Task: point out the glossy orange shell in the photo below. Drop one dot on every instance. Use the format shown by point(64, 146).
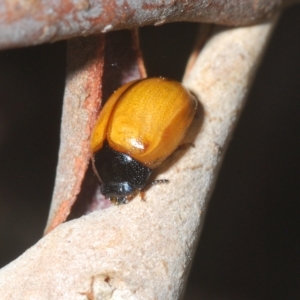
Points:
point(146, 119)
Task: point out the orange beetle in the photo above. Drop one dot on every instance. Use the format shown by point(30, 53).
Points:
point(140, 125)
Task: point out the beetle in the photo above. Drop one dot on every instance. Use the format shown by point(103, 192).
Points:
point(139, 126)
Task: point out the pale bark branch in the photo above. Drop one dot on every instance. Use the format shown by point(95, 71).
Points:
point(142, 250)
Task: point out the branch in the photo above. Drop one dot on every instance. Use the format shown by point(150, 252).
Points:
point(24, 23)
point(142, 250)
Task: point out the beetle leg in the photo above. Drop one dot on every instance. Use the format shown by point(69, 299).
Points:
point(185, 146)
point(142, 192)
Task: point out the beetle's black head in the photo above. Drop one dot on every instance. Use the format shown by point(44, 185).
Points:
point(122, 176)
point(118, 192)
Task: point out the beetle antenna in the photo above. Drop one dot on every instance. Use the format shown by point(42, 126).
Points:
point(95, 169)
point(159, 181)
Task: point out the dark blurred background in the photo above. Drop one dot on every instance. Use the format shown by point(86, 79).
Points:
point(250, 244)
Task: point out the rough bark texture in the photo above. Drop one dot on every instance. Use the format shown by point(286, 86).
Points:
point(82, 96)
point(142, 250)
point(91, 78)
point(33, 22)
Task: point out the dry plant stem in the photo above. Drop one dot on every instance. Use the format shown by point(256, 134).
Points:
point(33, 22)
point(92, 63)
point(142, 250)
point(81, 103)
